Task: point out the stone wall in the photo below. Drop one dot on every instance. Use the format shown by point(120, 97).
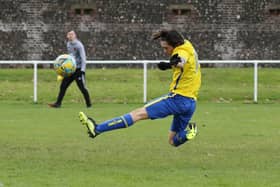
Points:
point(121, 29)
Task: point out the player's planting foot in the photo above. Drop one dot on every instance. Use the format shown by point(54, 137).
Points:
point(89, 123)
point(191, 131)
point(54, 105)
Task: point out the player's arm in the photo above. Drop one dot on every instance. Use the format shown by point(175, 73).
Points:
point(164, 65)
point(175, 60)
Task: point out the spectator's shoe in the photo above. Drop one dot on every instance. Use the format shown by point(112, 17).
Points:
point(54, 105)
point(191, 131)
point(90, 124)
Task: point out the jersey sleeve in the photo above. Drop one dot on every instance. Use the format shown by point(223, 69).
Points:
point(183, 55)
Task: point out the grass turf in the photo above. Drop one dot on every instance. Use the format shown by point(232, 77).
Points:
point(238, 144)
point(122, 85)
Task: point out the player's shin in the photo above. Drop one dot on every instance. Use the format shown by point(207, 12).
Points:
point(115, 123)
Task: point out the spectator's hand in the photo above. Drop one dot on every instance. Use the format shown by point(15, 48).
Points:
point(59, 78)
point(164, 65)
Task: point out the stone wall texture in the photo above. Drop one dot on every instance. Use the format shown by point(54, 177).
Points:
point(121, 29)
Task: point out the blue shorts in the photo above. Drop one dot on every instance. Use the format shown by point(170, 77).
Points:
point(182, 108)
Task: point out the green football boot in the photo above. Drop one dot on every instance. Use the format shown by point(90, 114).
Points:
point(89, 123)
point(191, 131)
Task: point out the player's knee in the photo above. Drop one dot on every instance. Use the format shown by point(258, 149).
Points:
point(139, 114)
point(171, 142)
point(177, 139)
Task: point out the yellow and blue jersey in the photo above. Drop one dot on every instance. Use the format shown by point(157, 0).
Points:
point(186, 81)
point(181, 101)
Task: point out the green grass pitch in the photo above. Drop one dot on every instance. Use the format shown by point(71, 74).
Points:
point(237, 145)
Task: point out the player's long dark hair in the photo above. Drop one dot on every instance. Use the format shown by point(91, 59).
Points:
point(172, 37)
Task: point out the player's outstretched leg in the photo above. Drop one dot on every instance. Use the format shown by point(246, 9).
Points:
point(109, 125)
point(183, 136)
point(89, 123)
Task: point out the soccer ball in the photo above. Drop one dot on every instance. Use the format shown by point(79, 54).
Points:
point(65, 65)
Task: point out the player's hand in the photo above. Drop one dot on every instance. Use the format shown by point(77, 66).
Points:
point(164, 65)
point(174, 60)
